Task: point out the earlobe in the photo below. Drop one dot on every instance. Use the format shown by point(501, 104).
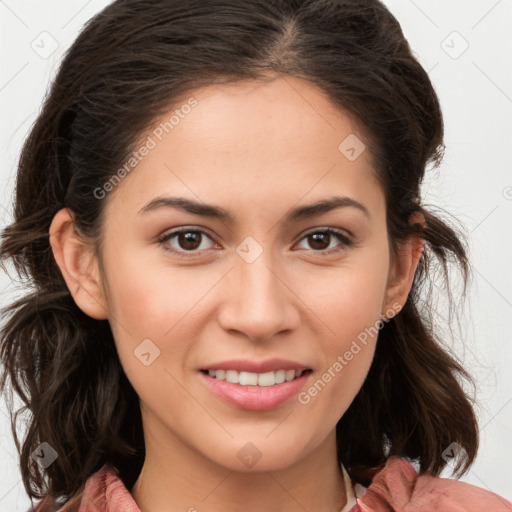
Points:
point(78, 265)
point(404, 267)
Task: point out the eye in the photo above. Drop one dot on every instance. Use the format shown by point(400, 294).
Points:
point(320, 240)
point(186, 240)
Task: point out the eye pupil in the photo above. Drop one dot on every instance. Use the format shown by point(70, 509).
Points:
point(192, 240)
point(317, 237)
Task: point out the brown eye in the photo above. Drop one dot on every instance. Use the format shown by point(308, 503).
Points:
point(319, 241)
point(189, 240)
point(184, 241)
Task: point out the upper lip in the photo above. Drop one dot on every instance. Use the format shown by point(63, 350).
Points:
point(244, 365)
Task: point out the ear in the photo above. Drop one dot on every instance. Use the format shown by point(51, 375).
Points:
point(403, 269)
point(78, 265)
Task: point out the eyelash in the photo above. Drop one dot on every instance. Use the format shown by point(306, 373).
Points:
point(190, 254)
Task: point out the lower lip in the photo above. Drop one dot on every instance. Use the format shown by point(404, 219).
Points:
point(255, 398)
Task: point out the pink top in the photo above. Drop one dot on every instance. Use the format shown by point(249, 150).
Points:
point(396, 487)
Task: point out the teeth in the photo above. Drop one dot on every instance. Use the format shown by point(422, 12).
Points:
point(266, 379)
point(290, 374)
point(255, 379)
point(231, 376)
point(248, 379)
point(281, 376)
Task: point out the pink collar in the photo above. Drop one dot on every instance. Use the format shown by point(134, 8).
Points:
point(395, 487)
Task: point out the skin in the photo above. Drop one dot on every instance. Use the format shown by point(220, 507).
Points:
point(258, 150)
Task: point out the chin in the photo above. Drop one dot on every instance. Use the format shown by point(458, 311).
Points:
point(258, 455)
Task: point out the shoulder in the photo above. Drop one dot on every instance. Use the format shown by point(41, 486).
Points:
point(397, 486)
point(48, 504)
point(104, 492)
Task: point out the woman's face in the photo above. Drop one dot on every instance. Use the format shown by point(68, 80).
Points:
point(263, 282)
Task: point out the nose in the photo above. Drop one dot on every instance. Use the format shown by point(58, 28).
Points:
point(260, 301)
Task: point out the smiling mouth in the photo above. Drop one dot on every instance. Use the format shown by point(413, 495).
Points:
point(266, 379)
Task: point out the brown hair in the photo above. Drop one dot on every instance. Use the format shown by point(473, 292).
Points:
point(129, 63)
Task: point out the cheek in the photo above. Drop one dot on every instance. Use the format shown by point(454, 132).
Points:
point(347, 355)
point(348, 300)
point(146, 302)
point(349, 297)
point(151, 297)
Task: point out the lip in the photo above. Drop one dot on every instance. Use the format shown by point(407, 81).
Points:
point(245, 365)
point(255, 398)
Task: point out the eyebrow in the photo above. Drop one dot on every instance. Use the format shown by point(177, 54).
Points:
point(216, 212)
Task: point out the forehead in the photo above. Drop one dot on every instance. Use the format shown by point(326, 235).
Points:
point(265, 117)
point(258, 141)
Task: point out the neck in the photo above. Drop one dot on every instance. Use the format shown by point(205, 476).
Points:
point(176, 477)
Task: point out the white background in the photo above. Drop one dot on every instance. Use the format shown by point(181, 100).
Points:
point(474, 182)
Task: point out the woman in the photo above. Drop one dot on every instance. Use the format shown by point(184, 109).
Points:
point(219, 208)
